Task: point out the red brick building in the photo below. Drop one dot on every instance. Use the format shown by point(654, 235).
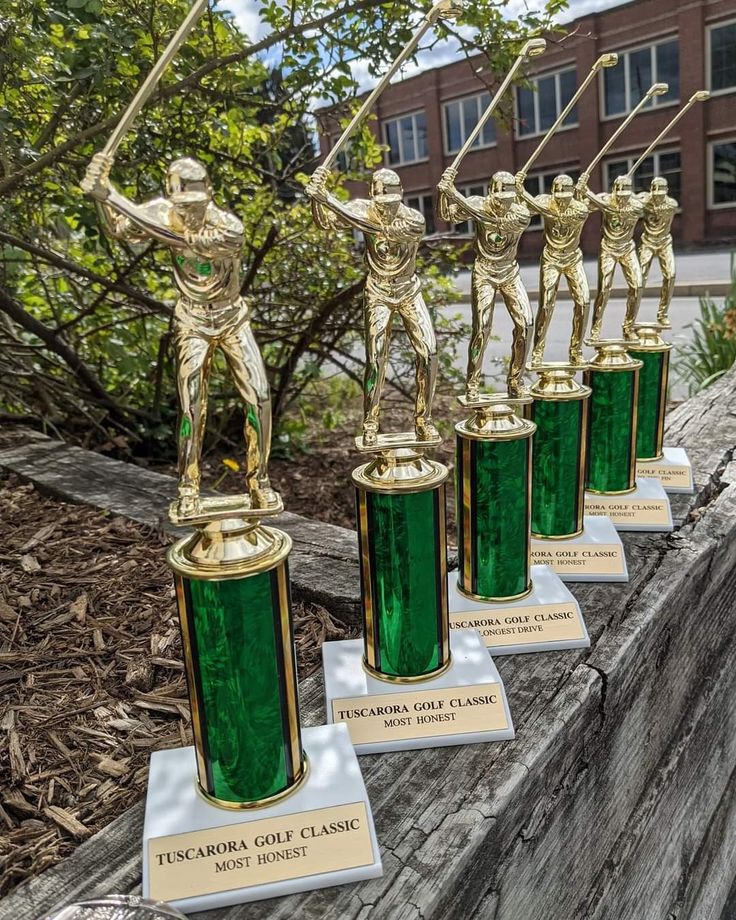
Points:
point(690, 44)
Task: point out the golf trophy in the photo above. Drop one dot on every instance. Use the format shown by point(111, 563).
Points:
point(408, 683)
point(668, 464)
point(516, 606)
point(613, 375)
point(236, 817)
point(578, 547)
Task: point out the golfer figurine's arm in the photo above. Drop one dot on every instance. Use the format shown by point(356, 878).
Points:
point(453, 206)
point(600, 202)
point(329, 212)
point(144, 219)
point(539, 204)
point(221, 237)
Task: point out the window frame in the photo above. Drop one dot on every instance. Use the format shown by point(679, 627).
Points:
point(384, 131)
point(652, 44)
point(719, 24)
point(460, 100)
point(711, 205)
point(558, 103)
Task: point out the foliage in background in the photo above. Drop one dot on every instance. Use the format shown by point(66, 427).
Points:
point(85, 323)
point(712, 350)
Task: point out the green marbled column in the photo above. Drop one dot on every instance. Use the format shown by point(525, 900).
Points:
point(652, 402)
point(242, 687)
point(557, 473)
point(611, 430)
point(403, 547)
point(494, 512)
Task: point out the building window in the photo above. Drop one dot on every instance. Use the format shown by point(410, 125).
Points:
point(722, 192)
point(541, 184)
point(461, 116)
point(424, 203)
point(625, 84)
point(722, 57)
point(665, 164)
point(538, 106)
point(406, 138)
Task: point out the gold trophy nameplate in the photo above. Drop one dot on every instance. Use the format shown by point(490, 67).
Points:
point(546, 619)
point(597, 554)
point(422, 713)
point(546, 623)
point(673, 470)
point(646, 508)
point(261, 852)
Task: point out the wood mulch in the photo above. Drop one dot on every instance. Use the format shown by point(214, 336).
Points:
point(91, 678)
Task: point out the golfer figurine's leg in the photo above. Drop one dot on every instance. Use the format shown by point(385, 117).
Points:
point(193, 359)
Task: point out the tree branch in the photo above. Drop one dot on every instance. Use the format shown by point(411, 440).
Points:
point(67, 354)
point(307, 337)
point(53, 258)
point(191, 81)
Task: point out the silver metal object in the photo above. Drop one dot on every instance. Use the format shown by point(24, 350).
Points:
point(118, 907)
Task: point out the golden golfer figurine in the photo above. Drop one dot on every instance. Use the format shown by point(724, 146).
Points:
point(205, 244)
point(563, 213)
point(500, 219)
point(393, 233)
point(622, 211)
point(659, 212)
point(656, 241)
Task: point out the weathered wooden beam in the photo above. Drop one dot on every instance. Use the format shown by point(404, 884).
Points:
point(617, 798)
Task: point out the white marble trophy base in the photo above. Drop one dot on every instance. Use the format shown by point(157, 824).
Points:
point(464, 705)
point(283, 851)
point(548, 619)
point(597, 554)
point(673, 470)
point(647, 508)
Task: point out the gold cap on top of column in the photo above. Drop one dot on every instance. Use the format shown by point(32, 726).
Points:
point(497, 422)
point(612, 355)
point(648, 338)
point(558, 383)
